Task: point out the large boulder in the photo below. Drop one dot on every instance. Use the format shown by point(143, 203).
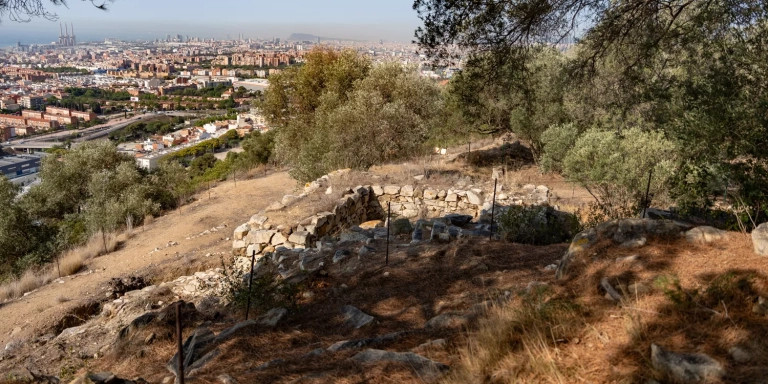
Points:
point(704, 235)
point(760, 239)
point(618, 232)
point(684, 367)
point(425, 368)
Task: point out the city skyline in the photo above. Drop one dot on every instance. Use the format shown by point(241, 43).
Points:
point(146, 20)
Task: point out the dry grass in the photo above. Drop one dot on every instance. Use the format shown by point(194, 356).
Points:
point(68, 263)
point(29, 281)
point(518, 342)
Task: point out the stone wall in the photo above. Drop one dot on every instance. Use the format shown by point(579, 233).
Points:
point(364, 203)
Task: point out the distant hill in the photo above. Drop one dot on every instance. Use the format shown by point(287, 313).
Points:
point(310, 37)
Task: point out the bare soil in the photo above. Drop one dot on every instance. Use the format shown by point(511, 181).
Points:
point(227, 207)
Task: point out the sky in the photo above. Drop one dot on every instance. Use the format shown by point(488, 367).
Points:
point(390, 20)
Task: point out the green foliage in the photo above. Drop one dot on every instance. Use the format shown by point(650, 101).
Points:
point(557, 141)
point(536, 224)
point(267, 290)
point(202, 92)
point(615, 167)
point(144, 129)
point(65, 70)
point(338, 111)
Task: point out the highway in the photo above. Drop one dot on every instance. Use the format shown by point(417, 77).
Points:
point(85, 134)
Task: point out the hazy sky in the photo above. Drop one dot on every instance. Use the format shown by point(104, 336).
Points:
point(149, 19)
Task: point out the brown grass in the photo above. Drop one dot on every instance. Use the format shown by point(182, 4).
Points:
point(68, 263)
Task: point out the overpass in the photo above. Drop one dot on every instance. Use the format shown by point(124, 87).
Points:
point(35, 146)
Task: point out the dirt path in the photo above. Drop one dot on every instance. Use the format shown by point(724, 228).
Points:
point(148, 250)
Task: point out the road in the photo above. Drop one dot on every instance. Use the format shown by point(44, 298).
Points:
point(90, 133)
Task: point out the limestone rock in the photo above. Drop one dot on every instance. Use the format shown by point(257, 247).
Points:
point(352, 237)
point(241, 231)
point(272, 317)
point(278, 238)
point(474, 198)
point(340, 255)
point(760, 239)
point(430, 194)
point(400, 226)
point(377, 190)
point(355, 318)
point(424, 367)
point(300, 238)
point(276, 206)
point(704, 235)
point(690, 368)
point(258, 220)
point(448, 321)
point(391, 189)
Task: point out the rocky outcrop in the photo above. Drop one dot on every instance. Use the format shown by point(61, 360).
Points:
point(760, 239)
point(627, 232)
point(684, 367)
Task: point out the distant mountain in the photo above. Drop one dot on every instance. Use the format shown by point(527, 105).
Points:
point(310, 37)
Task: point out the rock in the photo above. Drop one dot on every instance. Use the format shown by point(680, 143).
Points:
point(761, 307)
point(610, 292)
point(302, 238)
point(438, 228)
point(407, 191)
point(448, 321)
point(430, 194)
point(370, 341)
point(474, 198)
point(354, 317)
point(364, 251)
point(760, 239)
point(400, 227)
point(391, 189)
point(377, 190)
point(418, 177)
point(289, 199)
point(272, 317)
point(276, 206)
point(199, 349)
point(424, 367)
point(551, 267)
point(226, 379)
point(739, 355)
point(258, 220)
point(432, 344)
point(340, 255)
point(241, 231)
point(704, 235)
point(372, 224)
point(261, 236)
point(452, 198)
point(352, 237)
point(278, 238)
point(118, 287)
point(686, 367)
point(634, 243)
point(97, 378)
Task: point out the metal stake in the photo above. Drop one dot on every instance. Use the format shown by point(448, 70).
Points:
point(250, 284)
point(493, 208)
point(646, 203)
point(389, 223)
point(180, 344)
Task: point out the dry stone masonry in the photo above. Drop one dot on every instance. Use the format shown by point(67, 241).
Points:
point(366, 204)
